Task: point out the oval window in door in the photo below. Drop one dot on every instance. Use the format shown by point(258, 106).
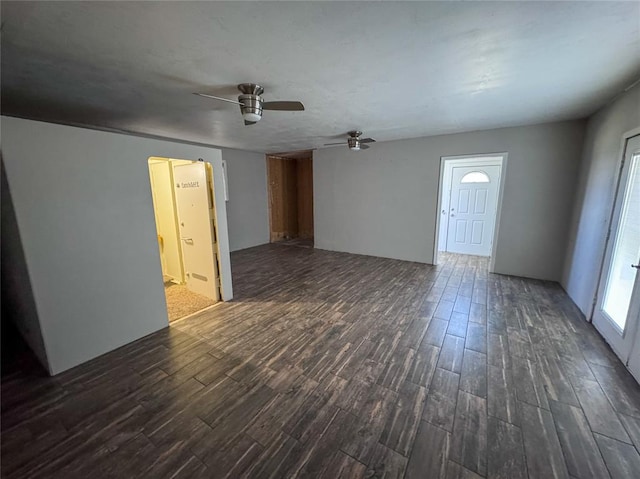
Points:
point(475, 177)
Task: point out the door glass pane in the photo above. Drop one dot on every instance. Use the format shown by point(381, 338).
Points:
point(626, 251)
point(475, 177)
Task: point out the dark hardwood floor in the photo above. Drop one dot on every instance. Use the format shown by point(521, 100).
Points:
point(337, 365)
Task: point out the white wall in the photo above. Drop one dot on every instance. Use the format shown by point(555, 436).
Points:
point(247, 208)
point(595, 196)
point(83, 205)
point(383, 201)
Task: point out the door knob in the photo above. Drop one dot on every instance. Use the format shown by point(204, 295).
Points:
point(636, 266)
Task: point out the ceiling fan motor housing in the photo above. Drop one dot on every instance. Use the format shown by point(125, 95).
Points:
point(354, 143)
point(251, 107)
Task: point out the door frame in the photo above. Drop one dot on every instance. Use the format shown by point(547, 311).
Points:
point(608, 328)
point(217, 259)
point(499, 159)
point(275, 182)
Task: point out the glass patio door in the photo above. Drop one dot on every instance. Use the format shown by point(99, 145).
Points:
point(618, 303)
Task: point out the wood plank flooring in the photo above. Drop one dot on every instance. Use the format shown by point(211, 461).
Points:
point(341, 366)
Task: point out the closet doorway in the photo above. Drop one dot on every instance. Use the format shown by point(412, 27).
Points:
point(290, 186)
point(183, 203)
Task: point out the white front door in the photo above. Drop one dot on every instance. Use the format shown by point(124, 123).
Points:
point(472, 209)
point(617, 312)
point(194, 205)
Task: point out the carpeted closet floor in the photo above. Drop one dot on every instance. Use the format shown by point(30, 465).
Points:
point(182, 302)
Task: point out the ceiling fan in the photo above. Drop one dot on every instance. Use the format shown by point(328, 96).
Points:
point(354, 141)
point(252, 104)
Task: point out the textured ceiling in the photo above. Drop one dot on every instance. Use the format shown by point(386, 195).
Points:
point(393, 70)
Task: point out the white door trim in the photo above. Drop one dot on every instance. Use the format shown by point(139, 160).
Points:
point(499, 159)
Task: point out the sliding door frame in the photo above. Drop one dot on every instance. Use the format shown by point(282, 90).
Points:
point(616, 186)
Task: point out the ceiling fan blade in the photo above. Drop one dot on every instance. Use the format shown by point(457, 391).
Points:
point(364, 147)
point(247, 123)
point(218, 98)
point(283, 105)
point(334, 144)
point(367, 140)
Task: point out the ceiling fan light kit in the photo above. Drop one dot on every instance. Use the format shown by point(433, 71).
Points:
point(251, 107)
point(354, 144)
point(252, 104)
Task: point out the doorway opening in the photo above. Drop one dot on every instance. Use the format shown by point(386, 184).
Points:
point(290, 185)
point(469, 202)
point(184, 210)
